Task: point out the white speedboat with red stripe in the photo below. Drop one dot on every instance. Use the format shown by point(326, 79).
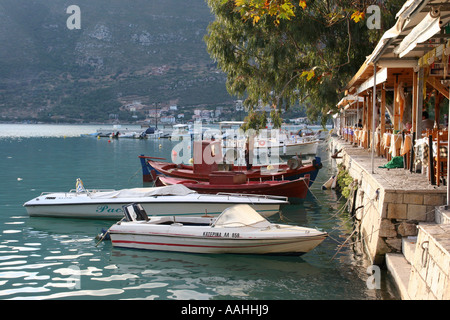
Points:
point(238, 229)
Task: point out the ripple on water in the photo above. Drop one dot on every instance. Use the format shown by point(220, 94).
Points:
point(75, 293)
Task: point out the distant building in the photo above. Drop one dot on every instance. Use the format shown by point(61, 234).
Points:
point(167, 119)
point(301, 120)
point(206, 114)
point(135, 105)
point(239, 105)
point(218, 112)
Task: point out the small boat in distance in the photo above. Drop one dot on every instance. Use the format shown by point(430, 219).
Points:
point(238, 229)
point(279, 142)
point(176, 200)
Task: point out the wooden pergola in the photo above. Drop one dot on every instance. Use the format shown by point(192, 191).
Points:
point(410, 64)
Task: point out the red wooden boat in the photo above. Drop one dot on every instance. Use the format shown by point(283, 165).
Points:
point(201, 171)
point(235, 182)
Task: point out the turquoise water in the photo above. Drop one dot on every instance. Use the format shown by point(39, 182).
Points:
point(49, 258)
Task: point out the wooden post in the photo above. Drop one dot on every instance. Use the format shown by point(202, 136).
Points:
point(382, 118)
point(431, 176)
point(436, 108)
point(411, 161)
point(369, 119)
point(366, 126)
point(396, 104)
point(419, 102)
point(414, 115)
point(374, 97)
point(448, 158)
point(383, 111)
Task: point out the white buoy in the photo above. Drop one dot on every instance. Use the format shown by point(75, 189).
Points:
point(330, 184)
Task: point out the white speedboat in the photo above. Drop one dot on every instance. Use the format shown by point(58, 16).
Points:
point(288, 146)
point(133, 135)
point(238, 229)
point(322, 134)
point(171, 200)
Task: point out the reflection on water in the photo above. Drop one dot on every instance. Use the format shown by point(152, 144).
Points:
point(51, 258)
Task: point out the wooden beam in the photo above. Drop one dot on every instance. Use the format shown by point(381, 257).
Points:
point(396, 104)
point(435, 83)
point(382, 112)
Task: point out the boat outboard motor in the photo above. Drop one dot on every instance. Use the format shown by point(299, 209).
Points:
point(135, 212)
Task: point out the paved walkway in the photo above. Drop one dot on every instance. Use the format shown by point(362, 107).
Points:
point(390, 179)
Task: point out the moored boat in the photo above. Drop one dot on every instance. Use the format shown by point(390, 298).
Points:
point(322, 134)
point(293, 169)
point(277, 142)
point(238, 229)
point(234, 182)
point(288, 147)
point(172, 200)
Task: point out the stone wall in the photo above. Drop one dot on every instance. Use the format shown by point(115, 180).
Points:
point(442, 215)
point(384, 215)
point(429, 278)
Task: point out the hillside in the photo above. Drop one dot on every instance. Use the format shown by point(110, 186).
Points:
point(150, 51)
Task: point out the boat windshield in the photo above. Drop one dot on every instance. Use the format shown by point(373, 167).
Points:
point(173, 190)
point(240, 215)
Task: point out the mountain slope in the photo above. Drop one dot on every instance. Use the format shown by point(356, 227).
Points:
point(146, 50)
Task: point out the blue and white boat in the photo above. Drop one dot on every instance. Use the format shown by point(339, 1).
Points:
point(176, 200)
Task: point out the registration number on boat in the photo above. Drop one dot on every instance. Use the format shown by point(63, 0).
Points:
point(107, 209)
point(220, 235)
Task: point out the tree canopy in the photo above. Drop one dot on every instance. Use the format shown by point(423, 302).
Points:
point(280, 52)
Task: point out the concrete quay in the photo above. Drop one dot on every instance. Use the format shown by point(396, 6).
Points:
point(402, 220)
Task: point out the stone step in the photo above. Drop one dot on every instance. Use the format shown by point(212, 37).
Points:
point(442, 214)
point(400, 270)
point(408, 247)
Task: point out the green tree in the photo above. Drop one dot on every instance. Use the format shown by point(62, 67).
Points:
point(281, 51)
point(255, 121)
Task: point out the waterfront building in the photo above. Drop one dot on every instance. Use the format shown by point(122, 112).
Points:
point(406, 208)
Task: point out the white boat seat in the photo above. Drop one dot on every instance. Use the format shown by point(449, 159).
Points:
point(135, 212)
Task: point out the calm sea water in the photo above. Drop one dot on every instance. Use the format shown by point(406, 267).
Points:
point(50, 258)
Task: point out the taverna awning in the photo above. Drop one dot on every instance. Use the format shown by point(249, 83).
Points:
point(349, 101)
point(413, 56)
point(417, 30)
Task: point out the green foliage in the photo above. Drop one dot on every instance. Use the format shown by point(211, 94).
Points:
point(311, 55)
point(255, 121)
point(344, 181)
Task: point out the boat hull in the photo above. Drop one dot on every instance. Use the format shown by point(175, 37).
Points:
point(152, 168)
point(292, 149)
point(288, 188)
point(195, 205)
